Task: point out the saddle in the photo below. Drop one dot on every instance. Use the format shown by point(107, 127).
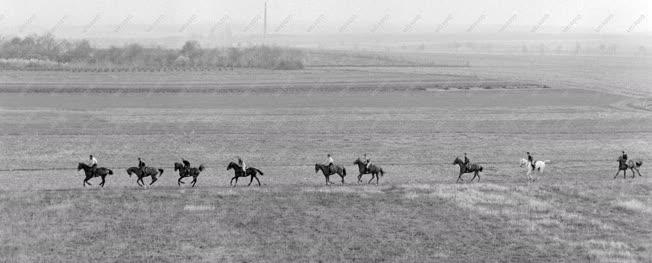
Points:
point(331, 168)
point(370, 169)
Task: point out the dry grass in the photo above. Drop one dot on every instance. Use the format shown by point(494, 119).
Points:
point(576, 212)
point(420, 222)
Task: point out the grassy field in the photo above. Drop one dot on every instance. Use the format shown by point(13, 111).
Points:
point(411, 122)
point(606, 221)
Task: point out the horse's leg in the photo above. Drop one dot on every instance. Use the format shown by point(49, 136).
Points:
point(251, 180)
point(194, 181)
point(617, 174)
point(633, 174)
point(478, 174)
point(639, 172)
point(625, 173)
point(102, 183)
point(372, 178)
point(326, 177)
point(360, 178)
point(179, 182)
point(154, 179)
point(459, 178)
point(85, 181)
point(341, 175)
point(231, 182)
point(257, 180)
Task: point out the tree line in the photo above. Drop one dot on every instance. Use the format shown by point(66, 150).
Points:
point(45, 52)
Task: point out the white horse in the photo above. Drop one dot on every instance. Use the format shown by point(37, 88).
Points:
point(538, 165)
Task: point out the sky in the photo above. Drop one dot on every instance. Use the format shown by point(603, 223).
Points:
point(334, 15)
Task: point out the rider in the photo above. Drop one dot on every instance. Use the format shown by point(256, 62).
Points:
point(141, 165)
point(92, 162)
point(243, 165)
point(623, 158)
point(530, 159)
point(186, 165)
point(466, 161)
point(329, 162)
point(367, 161)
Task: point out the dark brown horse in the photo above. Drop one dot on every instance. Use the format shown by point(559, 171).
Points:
point(99, 172)
point(191, 172)
point(629, 164)
point(237, 169)
point(374, 170)
point(149, 171)
point(472, 168)
point(341, 171)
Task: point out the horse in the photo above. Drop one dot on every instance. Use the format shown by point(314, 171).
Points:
point(192, 172)
point(374, 170)
point(99, 172)
point(630, 164)
point(237, 169)
point(149, 171)
point(341, 171)
point(538, 165)
point(473, 168)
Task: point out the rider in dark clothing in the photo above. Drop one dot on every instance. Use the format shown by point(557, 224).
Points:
point(141, 165)
point(530, 159)
point(623, 159)
point(186, 165)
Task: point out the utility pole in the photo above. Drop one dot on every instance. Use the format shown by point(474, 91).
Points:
point(265, 23)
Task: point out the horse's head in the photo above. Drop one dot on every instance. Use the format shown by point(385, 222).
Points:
point(523, 162)
point(357, 161)
point(317, 167)
point(177, 166)
point(81, 166)
point(458, 161)
point(231, 165)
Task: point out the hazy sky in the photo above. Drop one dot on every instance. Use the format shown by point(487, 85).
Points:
point(617, 16)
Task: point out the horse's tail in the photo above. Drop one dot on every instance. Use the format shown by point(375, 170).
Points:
point(259, 171)
point(110, 171)
point(343, 171)
point(638, 163)
point(160, 171)
point(201, 168)
point(480, 168)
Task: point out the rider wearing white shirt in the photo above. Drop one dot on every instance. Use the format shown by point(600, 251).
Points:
point(367, 161)
point(330, 162)
point(92, 162)
point(243, 165)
